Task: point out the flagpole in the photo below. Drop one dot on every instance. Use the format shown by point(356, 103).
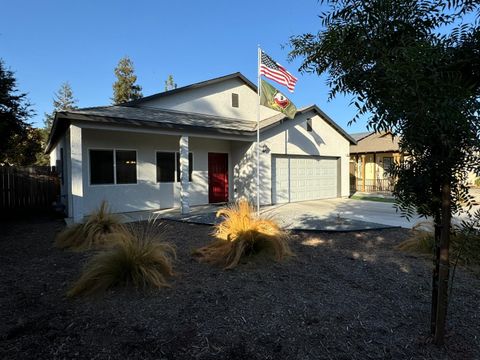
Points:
point(259, 89)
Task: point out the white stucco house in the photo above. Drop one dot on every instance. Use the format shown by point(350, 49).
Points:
point(195, 145)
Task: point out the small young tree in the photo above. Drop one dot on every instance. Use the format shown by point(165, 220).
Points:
point(419, 84)
point(170, 84)
point(125, 87)
point(14, 114)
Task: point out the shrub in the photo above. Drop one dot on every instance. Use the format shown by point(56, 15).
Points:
point(91, 233)
point(465, 248)
point(138, 259)
point(477, 181)
point(242, 233)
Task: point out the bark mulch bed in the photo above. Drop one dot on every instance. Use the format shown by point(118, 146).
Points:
point(344, 296)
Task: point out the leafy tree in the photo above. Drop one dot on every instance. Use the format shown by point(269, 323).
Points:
point(170, 84)
point(420, 82)
point(14, 114)
point(63, 99)
point(125, 89)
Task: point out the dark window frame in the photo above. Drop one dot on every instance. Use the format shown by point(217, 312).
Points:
point(114, 166)
point(235, 100)
point(309, 125)
point(176, 167)
point(117, 167)
point(158, 180)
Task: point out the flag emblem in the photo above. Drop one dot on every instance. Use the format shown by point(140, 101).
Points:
point(281, 100)
point(276, 72)
point(274, 99)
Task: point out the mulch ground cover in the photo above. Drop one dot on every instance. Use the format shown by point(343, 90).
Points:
point(344, 296)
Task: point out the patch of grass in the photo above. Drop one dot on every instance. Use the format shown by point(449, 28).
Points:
point(92, 233)
point(372, 198)
point(242, 233)
point(138, 259)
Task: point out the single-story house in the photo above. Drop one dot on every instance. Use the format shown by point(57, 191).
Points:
point(196, 145)
point(370, 160)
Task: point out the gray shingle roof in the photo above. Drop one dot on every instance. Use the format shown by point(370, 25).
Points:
point(159, 118)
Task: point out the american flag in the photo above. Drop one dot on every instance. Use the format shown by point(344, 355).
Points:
point(276, 72)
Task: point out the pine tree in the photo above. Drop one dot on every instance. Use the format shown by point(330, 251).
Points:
point(170, 83)
point(14, 114)
point(125, 89)
point(63, 100)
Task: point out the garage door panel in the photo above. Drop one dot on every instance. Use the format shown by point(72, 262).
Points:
point(296, 178)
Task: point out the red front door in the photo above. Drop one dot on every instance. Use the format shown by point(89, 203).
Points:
point(217, 177)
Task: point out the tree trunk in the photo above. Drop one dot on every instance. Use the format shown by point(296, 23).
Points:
point(444, 266)
point(436, 266)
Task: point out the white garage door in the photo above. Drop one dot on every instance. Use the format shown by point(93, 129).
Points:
point(300, 178)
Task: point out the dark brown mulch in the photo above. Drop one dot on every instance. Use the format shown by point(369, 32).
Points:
point(344, 296)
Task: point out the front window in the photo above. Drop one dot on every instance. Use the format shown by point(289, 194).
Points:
point(113, 167)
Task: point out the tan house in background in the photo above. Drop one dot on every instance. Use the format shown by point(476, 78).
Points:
point(370, 159)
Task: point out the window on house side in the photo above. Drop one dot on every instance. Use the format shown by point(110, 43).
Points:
point(101, 167)
point(309, 125)
point(165, 167)
point(235, 100)
point(126, 166)
point(190, 166)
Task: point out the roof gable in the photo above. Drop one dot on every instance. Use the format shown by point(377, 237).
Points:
point(376, 142)
point(211, 97)
point(198, 85)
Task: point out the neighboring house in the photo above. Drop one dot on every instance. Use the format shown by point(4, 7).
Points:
point(195, 145)
point(370, 160)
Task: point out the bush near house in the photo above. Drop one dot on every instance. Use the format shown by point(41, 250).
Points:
point(139, 258)
point(242, 233)
point(92, 233)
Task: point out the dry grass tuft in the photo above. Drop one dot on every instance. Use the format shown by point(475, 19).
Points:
point(92, 233)
point(421, 242)
point(466, 249)
point(138, 259)
point(243, 233)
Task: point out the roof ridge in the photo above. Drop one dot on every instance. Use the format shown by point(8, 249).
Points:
point(193, 86)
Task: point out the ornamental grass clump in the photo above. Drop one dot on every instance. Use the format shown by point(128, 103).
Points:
point(465, 248)
point(242, 233)
point(92, 233)
point(139, 258)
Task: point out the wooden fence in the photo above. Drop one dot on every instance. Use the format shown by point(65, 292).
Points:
point(24, 188)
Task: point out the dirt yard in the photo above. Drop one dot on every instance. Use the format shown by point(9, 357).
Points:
point(344, 296)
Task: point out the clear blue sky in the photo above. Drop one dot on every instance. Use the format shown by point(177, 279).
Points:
point(48, 42)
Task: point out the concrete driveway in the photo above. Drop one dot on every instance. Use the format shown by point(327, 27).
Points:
point(300, 214)
point(318, 215)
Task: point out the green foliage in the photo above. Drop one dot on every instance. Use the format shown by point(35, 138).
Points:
point(139, 258)
point(124, 88)
point(14, 127)
point(92, 233)
point(63, 100)
point(170, 84)
point(242, 233)
point(409, 80)
point(477, 181)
